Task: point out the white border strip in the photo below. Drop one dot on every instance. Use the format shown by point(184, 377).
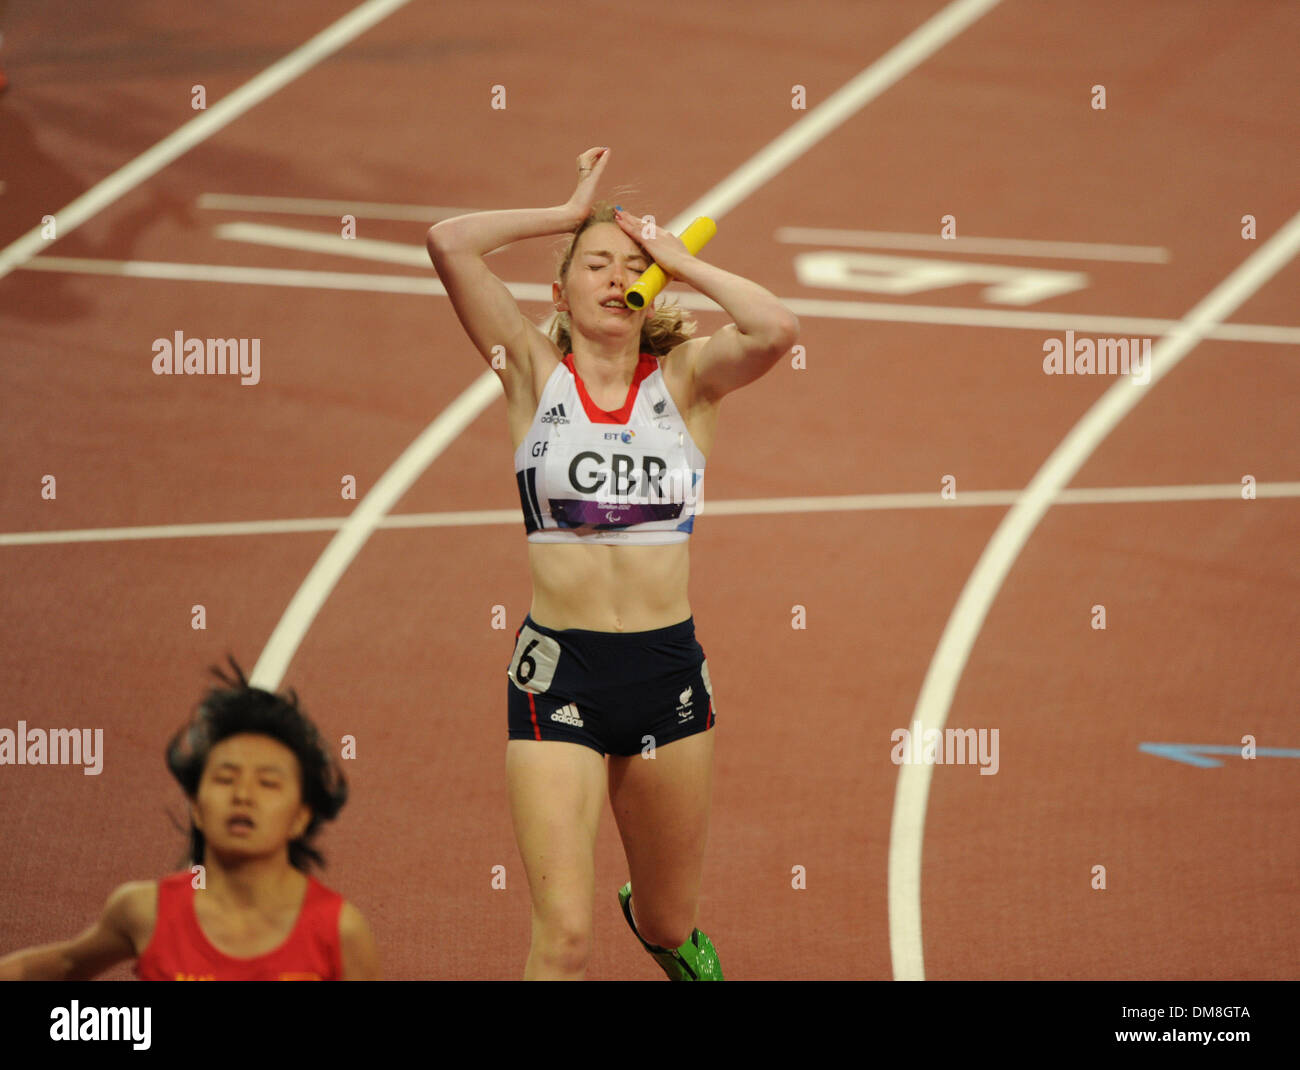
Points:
point(911, 796)
point(202, 126)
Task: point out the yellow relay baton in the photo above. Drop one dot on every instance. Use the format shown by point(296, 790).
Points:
point(654, 279)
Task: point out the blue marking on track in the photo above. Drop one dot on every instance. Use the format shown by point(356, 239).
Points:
point(1197, 754)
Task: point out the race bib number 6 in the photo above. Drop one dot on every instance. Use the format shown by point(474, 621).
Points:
point(533, 666)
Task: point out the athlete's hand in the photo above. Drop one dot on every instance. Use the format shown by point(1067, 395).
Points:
point(590, 165)
point(665, 249)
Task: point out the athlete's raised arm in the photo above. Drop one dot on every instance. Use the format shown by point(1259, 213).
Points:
point(763, 328)
point(485, 307)
point(110, 940)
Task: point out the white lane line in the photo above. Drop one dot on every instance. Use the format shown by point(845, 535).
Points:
point(900, 60)
point(346, 544)
point(912, 793)
point(1204, 493)
point(335, 244)
point(1056, 250)
point(882, 312)
point(230, 202)
point(966, 499)
point(246, 276)
point(981, 499)
point(171, 531)
point(314, 241)
point(202, 126)
point(1083, 323)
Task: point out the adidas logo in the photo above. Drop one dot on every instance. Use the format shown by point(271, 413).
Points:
point(568, 715)
point(555, 415)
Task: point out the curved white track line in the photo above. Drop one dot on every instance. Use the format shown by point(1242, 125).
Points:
point(912, 793)
point(363, 520)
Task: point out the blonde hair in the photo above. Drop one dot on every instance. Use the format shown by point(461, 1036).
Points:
point(665, 326)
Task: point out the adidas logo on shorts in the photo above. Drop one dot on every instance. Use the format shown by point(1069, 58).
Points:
point(568, 715)
point(554, 415)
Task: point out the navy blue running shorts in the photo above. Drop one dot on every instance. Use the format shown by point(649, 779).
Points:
point(618, 693)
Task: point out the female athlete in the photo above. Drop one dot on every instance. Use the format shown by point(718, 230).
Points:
point(612, 416)
point(260, 784)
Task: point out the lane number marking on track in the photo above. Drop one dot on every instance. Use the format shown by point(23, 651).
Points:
point(901, 276)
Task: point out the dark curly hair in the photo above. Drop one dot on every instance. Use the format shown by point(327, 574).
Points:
point(237, 707)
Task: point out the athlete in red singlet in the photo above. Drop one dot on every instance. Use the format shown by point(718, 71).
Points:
point(260, 783)
point(180, 951)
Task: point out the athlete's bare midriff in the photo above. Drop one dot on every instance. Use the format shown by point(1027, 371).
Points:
point(609, 588)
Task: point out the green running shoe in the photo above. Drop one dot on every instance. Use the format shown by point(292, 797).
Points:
point(695, 960)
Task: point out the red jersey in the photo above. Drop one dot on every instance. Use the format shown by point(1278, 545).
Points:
point(178, 950)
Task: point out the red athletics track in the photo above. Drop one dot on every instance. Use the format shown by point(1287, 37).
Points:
point(995, 128)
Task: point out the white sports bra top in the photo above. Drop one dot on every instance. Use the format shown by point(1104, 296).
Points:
point(630, 477)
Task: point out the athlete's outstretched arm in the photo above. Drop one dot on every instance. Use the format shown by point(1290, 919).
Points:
point(103, 945)
point(764, 329)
